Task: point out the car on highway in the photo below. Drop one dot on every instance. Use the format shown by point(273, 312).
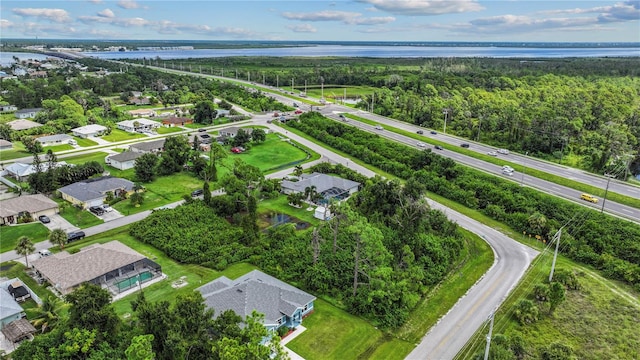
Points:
point(419, 132)
point(420, 144)
point(202, 130)
point(503, 151)
point(589, 198)
point(198, 192)
point(492, 153)
point(464, 145)
point(298, 112)
point(507, 168)
point(438, 147)
point(44, 219)
point(433, 132)
point(379, 127)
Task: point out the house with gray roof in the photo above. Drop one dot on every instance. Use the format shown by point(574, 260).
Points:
point(138, 125)
point(57, 139)
point(113, 265)
point(26, 205)
point(154, 146)
point(27, 113)
point(281, 303)
point(23, 124)
point(10, 310)
point(5, 145)
point(233, 131)
point(21, 171)
point(93, 192)
point(125, 160)
point(326, 185)
point(89, 130)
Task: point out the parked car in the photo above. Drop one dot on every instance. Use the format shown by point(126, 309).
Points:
point(420, 144)
point(198, 192)
point(44, 253)
point(379, 127)
point(298, 112)
point(44, 219)
point(464, 145)
point(503, 151)
point(275, 114)
point(419, 132)
point(75, 235)
point(107, 208)
point(492, 153)
point(237, 150)
point(589, 198)
point(438, 147)
point(98, 210)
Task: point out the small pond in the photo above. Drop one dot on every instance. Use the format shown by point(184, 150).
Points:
point(279, 219)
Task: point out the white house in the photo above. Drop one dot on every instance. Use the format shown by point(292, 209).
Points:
point(8, 108)
point(56, 139)
point(27, 113)
point(125, 160)
point(138, 125)
point(5, 145)
point(89, 130)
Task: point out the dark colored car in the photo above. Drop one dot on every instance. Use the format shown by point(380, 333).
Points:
point(438, 147)
point(198, 192)
point(202, 130)
point(76, 235)
point(98, 210)
point(433, 132)
point(44, 219)
point(420, 132)
point(464, 145)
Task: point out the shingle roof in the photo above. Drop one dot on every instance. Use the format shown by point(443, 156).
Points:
point(322, 182)
point(126, 156)
point(4, 142)
point(89, 263)
point(95, 188)
point(56, 137)
point(141, 121)
point(8, 306)
point(18, 329)
point(89, 129)
point(254, 291)
point(233, 131)
point(149, 145)
point(29, 203)
point(22, 169)
point(23, 124)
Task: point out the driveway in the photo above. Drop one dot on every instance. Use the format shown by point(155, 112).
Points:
point(111, 215)
point(58, 222)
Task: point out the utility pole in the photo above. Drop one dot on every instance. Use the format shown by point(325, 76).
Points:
point(248, 76)
point(236, 74)
point(486, 349)
point(292, 87)
point(479, 127)
point(524, 168)
point(555, 238)
point(263, 79)
point(277, 82)
point(446, 113)
point(604, 200)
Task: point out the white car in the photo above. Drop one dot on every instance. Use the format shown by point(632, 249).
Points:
point(420, 144)
point(508, 173)
point(503, 151)
point(507, 168)
point(492, 153)
point(107, 208)
point(379, 127)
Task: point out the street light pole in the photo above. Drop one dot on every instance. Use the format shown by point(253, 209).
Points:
point(445, 112)
point(604, 200)
point(524, 167)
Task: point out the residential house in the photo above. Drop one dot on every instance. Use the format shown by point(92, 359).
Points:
point(5, 145)
point(23, 124)
point(176, 121)
point(138, 125)
point(21, 171)
point(154, 146)
point(112, 265)
point(10, 310)
point(222, 113)
point(89, 130)
point(281, 303)
point(26, 205)
point(92, 192)
point(27, 113)
point(18, 330)
point(125, 160)
point(7, 108)
point(57, 139)
point(142, 113)
point(233, 131)
point(326, 185)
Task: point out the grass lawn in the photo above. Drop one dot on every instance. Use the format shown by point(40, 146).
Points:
point(10, 234)
point(121, 135)
point(15, 269)
point(99, 157)
point(273, 153)
point(17, 152)
point(280, 205)
point(80, 218)
point(169, 130)
point(57, 148)
point(84, 142)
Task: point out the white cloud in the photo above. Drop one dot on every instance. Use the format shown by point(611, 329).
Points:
point(169, 27)
point(5, 24)
point(304, 28)
point(96, 1)
point(424, 7)
point(107, 13)
point(351, 18)
point(128, 4)
point(372, 20)
point(124, 22)
point(518, 24)
point(55, 15)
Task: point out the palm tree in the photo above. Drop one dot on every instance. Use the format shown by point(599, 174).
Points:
point(297, 170)
point(25, 247)
point(47, 316)
point(58, 237)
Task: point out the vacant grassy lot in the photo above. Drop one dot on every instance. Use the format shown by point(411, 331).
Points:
point(120, 135)
point(273, 153)
point(10, 234)
point(169, 130)
point(17, 152)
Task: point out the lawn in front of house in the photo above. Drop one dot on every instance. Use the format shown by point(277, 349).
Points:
point(169, 130)
point(18, 151)
point(10, 234)
point(280, 205)
point(84, 142)
point(121, 135)
point(57, 148)
point(99, 156)
point(15, 269)
point(78, 217)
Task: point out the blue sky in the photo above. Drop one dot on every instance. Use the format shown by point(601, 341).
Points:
point(340, 20)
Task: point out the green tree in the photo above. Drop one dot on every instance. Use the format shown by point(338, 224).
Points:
point(146, 167)
point(258, 135)
point(206, 193)
point(526, 312)
point(242, 138)
point(136, 199)
point(48, 314)
point(205, 112)
point(58, 237)
point(557, 351)
point(25, 247)
point(32, 146)
point(556, 296)
point(541, 292)
point(297, 170)
point(5, 132)
point(175, 155)
point(91, 309)
point(140, 348)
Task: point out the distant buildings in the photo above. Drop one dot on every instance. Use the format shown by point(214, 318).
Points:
point(138, 125)
point(27, 113)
